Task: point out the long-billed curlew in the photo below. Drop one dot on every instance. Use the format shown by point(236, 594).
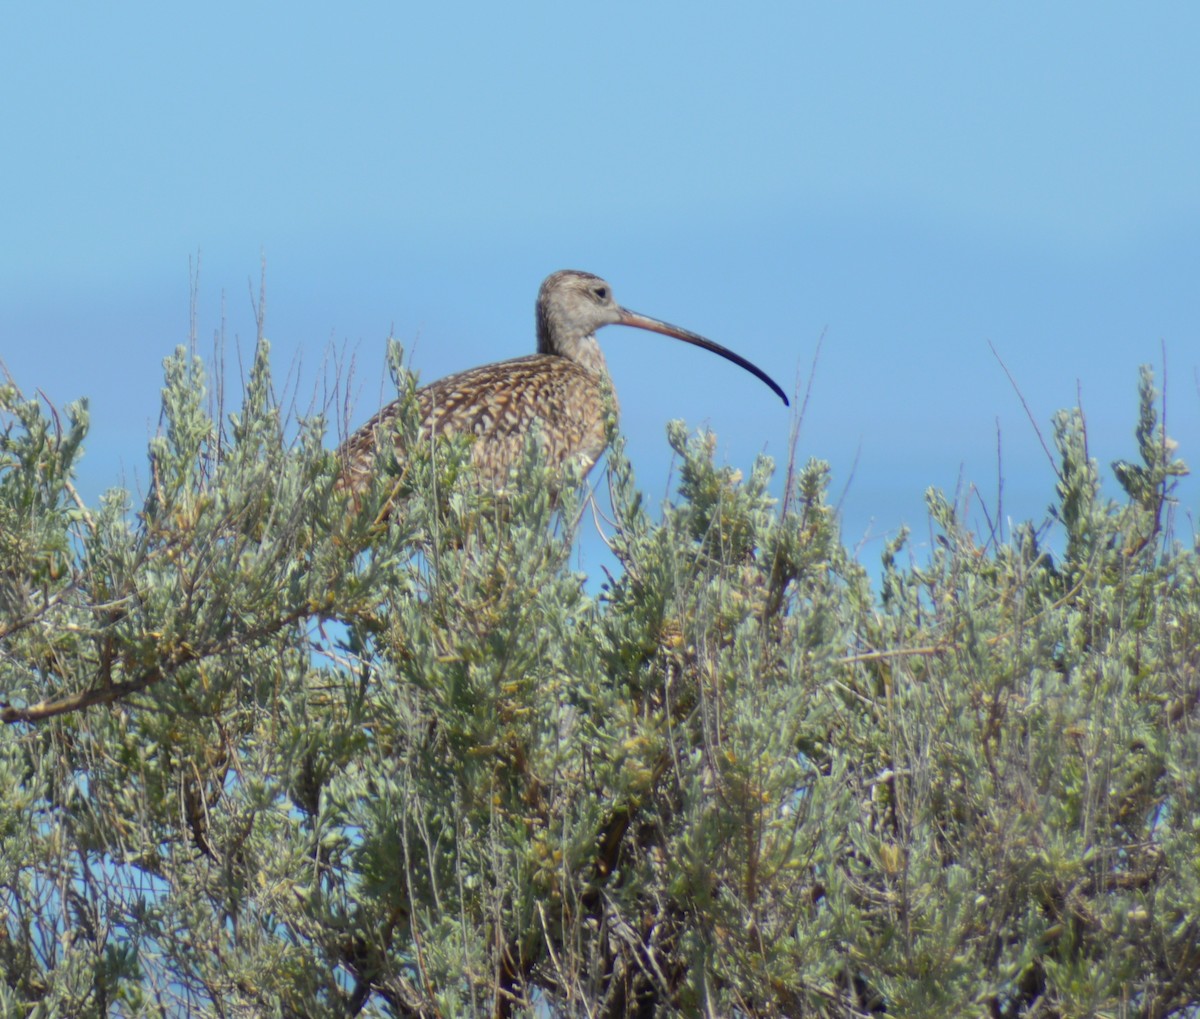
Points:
point(563, 385)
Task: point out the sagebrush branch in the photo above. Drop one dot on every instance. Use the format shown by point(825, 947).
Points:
point(10, 714)
point(109, 692)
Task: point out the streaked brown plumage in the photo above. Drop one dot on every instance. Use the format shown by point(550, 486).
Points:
point(563, 385)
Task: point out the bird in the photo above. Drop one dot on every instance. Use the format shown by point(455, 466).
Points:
point(565, 384)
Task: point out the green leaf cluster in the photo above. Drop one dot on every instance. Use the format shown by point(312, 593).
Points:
point(271, 750)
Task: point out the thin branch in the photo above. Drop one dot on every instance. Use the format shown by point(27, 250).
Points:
point(107, 694)
point(8, 629)
point(798, 422)
point(1028, 413)
point(83, 510)
point(903, 652)
point(39, 712)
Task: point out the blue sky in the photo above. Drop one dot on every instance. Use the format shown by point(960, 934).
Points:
point(910, 182)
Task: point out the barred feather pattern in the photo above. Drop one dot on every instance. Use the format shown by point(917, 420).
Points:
point(497, 405)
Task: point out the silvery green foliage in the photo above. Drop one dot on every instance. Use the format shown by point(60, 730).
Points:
point(271, 753)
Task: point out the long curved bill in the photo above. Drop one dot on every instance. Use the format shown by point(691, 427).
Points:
point(632, 318)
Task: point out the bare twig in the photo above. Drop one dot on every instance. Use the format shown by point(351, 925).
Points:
point(798, 422)
point(1028, 413)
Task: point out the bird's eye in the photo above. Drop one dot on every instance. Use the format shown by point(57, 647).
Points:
point(601, 293)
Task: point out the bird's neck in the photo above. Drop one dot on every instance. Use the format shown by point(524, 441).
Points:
point(583, 350)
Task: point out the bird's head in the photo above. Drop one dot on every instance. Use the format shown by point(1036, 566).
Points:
point(572, 305)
